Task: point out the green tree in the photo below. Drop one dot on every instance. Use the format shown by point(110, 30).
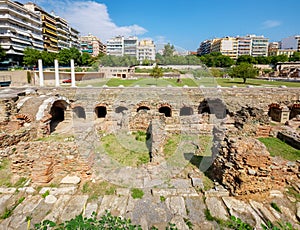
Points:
point(168, 50)
point(244, 70)
point(263, 60)
point(48, 58)
point(279, 58)
point(156, 72)
point(247, 59)
point(65, 55)
point(31, 56)
point(295, 57)
point(2, 53)
point(86, 59)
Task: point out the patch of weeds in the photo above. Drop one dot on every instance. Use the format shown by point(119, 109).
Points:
point(20, 183)
point(5, 173)
point(95, 190)
point(162, 198)
point(292, 192)
point(171, 145)
point(8, 211)
point(140, 136)
point(275, 206)
point(277, 226)
point(188, 223)
point(208, 215)
point(45, 194)
point(137, 193)
point(207, 183)
point(54, 185)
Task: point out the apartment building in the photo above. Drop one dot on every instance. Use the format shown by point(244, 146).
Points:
point(62, 29)
point(146, 50)
point(19, 28)
point(205, 47)
point(227, 46)
point(114, 46)
point(130, 46)
point(74, 38)
point(244, 45)
point(292, 42)
point(92, 45)
point(259, 45)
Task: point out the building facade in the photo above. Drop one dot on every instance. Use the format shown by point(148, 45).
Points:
point(114, 46)
point(244, 46)
point(259, 45)
point(205, 47)
point(92, 45)
point(227, 46)
point(19, 28)
point(292, 42)
point(130, 46)
point(146, 50)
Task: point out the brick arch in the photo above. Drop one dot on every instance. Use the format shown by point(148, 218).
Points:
point(166, 109)
point(57, 112)
point(101, 110)
point(213, 106)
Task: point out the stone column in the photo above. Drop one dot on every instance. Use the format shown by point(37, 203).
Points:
point(41, 74)
point(56, 73)
point(72, 73)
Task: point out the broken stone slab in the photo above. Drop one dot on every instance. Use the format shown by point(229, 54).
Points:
point(59, 191)
point(197, 182)
point(7, 190)
point(263, 212)
point(29, 190)
point(74, 207)
point(179, 222)
point(148, 183)
point(163, 192)
point(186, 192)
point(116, 204)
point(180, 183)
point(276, 193)
point(220, 193)
point(3, 201)
point(216, 208)
point(58, 208)
point(195, 210)
point(243, 211)
point(70, 180)
point(90, 208)
point(123, 191)
point(176, 205)
point(50, 199)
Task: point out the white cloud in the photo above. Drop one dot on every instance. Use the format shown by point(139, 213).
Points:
point(270, 24)
point(90, 17)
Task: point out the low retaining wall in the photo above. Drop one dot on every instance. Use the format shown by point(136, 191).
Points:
point(290, 138)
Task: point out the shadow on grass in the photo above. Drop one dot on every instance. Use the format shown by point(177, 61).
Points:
point(241, 83)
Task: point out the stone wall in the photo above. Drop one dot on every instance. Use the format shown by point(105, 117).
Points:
point(244, 166)
point(292, 138)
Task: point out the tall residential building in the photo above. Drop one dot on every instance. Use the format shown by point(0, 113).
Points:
point(57, 33)
point(292, 42)
point(146, 50)
point(228, 46)
point(114, 46)
point(130, 46)
point(92, 45)
point(19, 28)
point(259, 45)
point(244, 46)
point(205, 47)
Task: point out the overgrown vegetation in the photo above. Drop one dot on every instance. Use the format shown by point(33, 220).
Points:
point(98, 189)
point(275, 206)
point(5, 174)
point(122, 154)
point(106, 221)
point(9, 211)
point(137, 193)
point(171, 145)
point(278, 226)
point(277, 147)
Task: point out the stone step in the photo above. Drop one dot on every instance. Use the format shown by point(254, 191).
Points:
point(75, 206)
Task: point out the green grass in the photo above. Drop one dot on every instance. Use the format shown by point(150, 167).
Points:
point(126, 155)
point(137, 193)
point(5, 173)
point(54, 137)
point(191, 82)
point(171, 145)
point(277, 147)
point(98, 189)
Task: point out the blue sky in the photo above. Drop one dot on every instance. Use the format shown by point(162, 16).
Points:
point(184, 23)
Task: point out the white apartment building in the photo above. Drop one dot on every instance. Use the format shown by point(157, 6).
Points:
point(259, 45)
point(244, 45)
point(19, 28)
point(130, 46)
point(115, 46)
point(62, 30)
point(292, 42)
point(146, 50)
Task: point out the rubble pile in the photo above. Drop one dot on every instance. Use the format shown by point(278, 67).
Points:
point(244, 166)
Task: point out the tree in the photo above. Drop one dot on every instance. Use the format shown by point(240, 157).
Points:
point(2, 53)
point(244, 70)
point(65, 55)
point(279, 58)
point(295, 57)
point(48, 58)
point(156, 72)
point(86, 59)
point(168, 50)
point(31, 56)
point(247, 59)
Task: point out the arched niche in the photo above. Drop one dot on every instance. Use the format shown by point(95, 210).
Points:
point(57, 112)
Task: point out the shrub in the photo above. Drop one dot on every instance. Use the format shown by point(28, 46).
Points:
point(137, 193)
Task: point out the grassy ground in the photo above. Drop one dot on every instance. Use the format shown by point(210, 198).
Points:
point(94, 190)
point(204, 81)
point(277, 147)
point(123, 153)
point(5, 174)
